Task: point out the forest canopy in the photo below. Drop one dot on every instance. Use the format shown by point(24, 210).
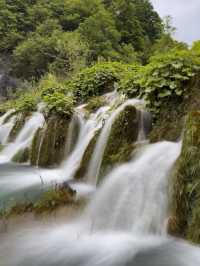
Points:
point(42, 35)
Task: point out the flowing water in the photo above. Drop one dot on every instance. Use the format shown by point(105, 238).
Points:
point(95, 164)
point(124, 223)
point(24, 138)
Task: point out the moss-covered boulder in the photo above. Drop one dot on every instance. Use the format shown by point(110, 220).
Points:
point(185, 218)
point(123, 135)
point(48, 146)
point(22, 156)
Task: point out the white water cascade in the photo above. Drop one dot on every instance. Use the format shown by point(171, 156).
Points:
point(134, 195)
point(24, 137)
point(5, 129)
point(88, 128)
point(95, 164)
point(124, 224)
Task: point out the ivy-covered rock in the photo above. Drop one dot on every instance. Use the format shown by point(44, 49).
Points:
point(48, 147)
point(185, 221)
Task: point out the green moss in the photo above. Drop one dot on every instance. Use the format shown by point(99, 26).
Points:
point(22, 156)
point(49, 143)
point(186, 188)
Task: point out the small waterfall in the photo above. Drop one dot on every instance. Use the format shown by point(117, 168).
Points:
point(145, 125)
point(74, 126)
point(5, 130)
point(40, 144)
point(3, 117)
point(134, 196)
point(95, 164)
point(87, 131)
point(24, 137)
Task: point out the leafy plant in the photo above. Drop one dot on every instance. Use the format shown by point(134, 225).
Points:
point(97, 80)
point(164, 78)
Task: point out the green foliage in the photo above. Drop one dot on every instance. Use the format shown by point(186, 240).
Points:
point(196, 47)
point(27, 103)
point(97, 80)
point(43, 35)
point(49, 48)
point(56, 96)
point(164, 78)
point(102, 43)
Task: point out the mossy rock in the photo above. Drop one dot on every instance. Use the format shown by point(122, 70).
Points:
point(82, 170)
point(49, 143)
point(124, 134)
point(186, 183)
point(19, 123)
point(22, 156)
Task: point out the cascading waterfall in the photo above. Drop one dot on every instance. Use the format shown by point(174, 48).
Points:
point(95, 164)
point(24, 137)
point(5, 130)
point(122, 226)
point(125, 222)
point(134, 195)
point(87, 130)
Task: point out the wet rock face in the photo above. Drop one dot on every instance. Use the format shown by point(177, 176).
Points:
point(48, 147)
point(186, 185)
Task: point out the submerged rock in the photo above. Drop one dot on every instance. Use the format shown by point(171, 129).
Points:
point(186, 183)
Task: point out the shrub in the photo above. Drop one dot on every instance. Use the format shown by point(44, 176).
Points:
point(56, 95)
point(97, 80)
point(164, 78)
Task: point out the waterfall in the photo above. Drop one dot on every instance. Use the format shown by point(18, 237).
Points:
point(134, 195)
point(5, 129)
point(95, 164)
point(3, 117)
point(75, 124)
point(122, 226)
point(88, 129)
point(24, 137)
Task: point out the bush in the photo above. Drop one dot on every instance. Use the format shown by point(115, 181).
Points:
point(164, 78)
point(97, 80)
point(56, 95)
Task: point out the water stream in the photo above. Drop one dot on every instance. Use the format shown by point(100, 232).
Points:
point(124, 223)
